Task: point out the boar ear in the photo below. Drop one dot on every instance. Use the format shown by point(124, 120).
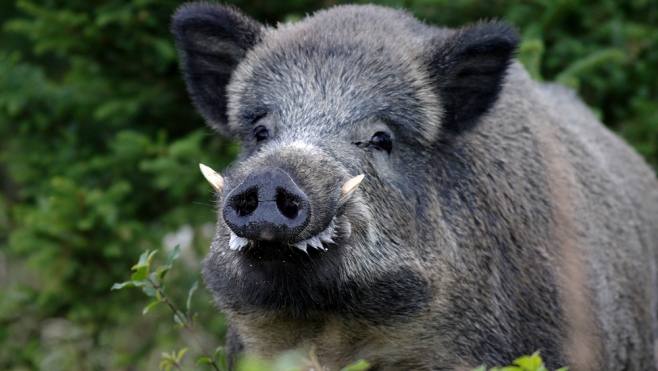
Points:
point(468, 68)
point(212, 39)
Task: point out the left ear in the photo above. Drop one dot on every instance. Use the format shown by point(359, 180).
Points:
point(468, 69)
point(212, 40)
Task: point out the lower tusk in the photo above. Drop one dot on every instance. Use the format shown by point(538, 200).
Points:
point(349, 187)
point(215, 180)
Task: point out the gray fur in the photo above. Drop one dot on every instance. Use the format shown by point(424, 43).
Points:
point(504, 220)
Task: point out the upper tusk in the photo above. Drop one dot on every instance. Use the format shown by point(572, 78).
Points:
point(350, 186)
point(215, 180)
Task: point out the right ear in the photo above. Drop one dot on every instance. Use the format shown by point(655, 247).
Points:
point(468, 69)
point(212, 39)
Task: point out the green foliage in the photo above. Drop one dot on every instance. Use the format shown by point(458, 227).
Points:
point(172, 359)
point(152, 283)
point(525, 363)
point(99, 147)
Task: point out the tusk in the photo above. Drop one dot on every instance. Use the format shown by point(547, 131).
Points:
point(349, 187)
point(215, 180)
point(237, 243)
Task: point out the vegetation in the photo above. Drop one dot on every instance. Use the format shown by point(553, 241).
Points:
point(532, 362)
point(99, 147)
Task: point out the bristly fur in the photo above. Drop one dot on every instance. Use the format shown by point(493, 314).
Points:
point(497, 216)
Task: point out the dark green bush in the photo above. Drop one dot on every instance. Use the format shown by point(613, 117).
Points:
point(100, 145)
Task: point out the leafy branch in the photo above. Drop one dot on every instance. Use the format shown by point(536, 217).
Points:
point(152, 284)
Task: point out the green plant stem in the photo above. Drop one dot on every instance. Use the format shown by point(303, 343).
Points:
point(184, 322)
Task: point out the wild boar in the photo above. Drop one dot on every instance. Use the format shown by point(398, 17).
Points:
point(407, 195)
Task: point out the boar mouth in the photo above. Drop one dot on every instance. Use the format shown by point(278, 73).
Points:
point(339, 229)
point(286, 196)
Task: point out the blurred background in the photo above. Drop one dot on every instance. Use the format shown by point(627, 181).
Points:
point(99, 146)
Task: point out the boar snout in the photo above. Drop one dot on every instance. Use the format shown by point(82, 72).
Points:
point(267, 206)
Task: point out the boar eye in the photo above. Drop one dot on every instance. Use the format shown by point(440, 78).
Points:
point(261, 133)
point(382, 141)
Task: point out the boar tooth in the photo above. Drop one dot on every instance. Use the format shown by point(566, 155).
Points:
point(301, 245)
point(349, 187)
point(237, 243)
point(315, 242)
point(215, 180)
point(326, 237)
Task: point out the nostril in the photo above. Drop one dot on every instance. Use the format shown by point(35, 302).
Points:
point(246, 203)
point(288, 203)
point(267, 205)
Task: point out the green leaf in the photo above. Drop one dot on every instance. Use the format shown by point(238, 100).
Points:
point(140, 275)
point(142, 261)
point(177, 318)
point(119, 286)
point(530, 363)
point(189, 295)
point(150, 258)
point(149, 290)
point(218, 350)
point(142, 283)
point(203, 360)
point(161, 272)
point(173, 255)
point(359, 365)
point(181, 353)
point(165, 365)
point(158, 295)
point(223, 363)
point(148, 307)
point(169, 360)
